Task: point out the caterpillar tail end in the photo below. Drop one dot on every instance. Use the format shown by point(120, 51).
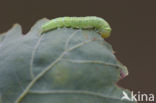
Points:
point(43, 29)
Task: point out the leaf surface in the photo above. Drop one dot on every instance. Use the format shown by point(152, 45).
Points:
point(61, 66)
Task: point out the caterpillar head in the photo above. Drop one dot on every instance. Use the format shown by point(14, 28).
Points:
point(105, 32)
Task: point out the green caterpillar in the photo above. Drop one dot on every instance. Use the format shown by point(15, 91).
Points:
point(89, 22)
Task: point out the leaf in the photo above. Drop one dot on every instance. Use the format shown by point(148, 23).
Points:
point(61, 66)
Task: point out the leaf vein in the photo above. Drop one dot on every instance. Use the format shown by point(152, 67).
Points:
point(82, 92)
point(19, 99)
point(33, 55)
point(70, 37)
point(92, 61)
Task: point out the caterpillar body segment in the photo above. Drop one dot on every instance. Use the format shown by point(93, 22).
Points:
point(89, 22)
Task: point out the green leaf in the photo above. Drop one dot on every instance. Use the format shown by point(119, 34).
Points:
point(61, 66)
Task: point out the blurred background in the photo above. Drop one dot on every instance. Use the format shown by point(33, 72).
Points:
point(133, 23)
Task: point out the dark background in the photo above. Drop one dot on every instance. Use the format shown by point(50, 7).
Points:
point(133, 36)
